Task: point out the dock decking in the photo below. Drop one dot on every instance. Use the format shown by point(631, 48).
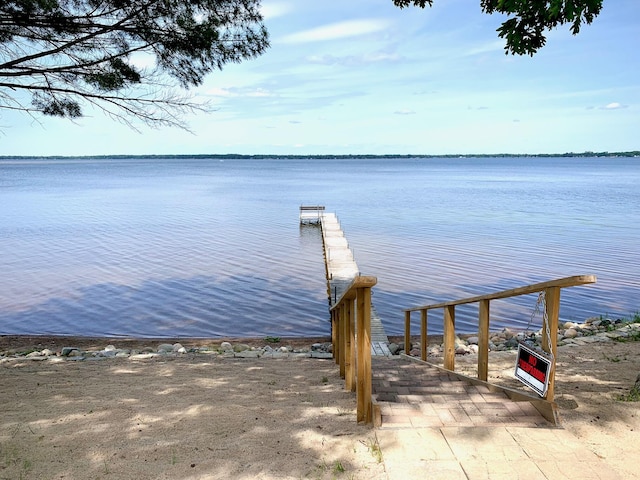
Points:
point(341, 268)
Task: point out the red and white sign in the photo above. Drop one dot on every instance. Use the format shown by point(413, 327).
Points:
point(533, 369)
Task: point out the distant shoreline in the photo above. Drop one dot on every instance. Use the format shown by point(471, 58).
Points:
point(229, 156)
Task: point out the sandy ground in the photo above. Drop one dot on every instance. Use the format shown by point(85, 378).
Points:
point(590, 380)
point(203, 417)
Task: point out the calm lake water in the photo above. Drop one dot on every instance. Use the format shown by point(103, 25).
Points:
point(195, 247)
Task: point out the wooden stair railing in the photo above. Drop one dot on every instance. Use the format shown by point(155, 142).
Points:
point(549, 344)
point(351, 339)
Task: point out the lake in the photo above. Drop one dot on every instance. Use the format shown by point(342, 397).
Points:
point(209, 247)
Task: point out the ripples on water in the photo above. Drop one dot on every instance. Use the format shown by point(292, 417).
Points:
point(200, 247)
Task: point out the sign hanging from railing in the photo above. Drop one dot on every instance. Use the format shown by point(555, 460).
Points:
point(533, 369)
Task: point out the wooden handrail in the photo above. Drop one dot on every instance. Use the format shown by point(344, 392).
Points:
point(358, 282)
point(550, 324)
point(351, 338)
point(514, 292)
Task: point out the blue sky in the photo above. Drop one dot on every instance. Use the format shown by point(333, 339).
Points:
point(364, 77)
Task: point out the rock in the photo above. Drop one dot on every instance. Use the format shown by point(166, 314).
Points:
point(507, 334)
point(75, 353)
point(241, 347)
point(109, 348)
point(182, 350)
point(511, 343)
point(67, 350)
point(143, 356)
point(472, 340)
point(605, 322)
point(571, 333)
point(248, 354)
point(165, 348)
point(177, 347)
point(226, 347)
point(78, 358)
point(37, 357)
point(462, 350)
point(394, 348)
point(46, 352)
point(106, 353)
point(474, 349)
point(325, 355)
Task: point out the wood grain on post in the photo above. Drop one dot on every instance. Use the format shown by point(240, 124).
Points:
point(350, 383)
point(407, 332)
point(343, 340)
point(363, 391)
point(423, 335)
point(483, 340)
point(450, 337)
point(550, 345)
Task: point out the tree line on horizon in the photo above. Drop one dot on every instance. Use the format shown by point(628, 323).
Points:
point(232, 156)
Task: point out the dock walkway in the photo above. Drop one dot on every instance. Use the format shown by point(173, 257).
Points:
point(341, 268)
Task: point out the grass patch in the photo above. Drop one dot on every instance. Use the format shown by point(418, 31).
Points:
point(633, 337)
point(632, 396)
point(374, 449)
point(613, 359)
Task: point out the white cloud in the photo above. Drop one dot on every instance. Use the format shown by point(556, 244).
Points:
point(274, 10)
point(220, 92)
point(354, 60)
point(143, 60)
point(614, 106)
point(404, 112)
point(259, 92)
point(237, 92)
point(333, 31)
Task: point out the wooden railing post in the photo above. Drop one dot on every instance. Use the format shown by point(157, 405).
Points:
point(449, 337)
point(407, 332)
point(350, 354)
point(550, 345)
point(423, 334)
point(335, 334)
point(344, 335)
point(483, 340)
point(363, 390)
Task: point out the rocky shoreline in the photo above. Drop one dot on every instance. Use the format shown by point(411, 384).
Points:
point(593, 330)
point(167, 350)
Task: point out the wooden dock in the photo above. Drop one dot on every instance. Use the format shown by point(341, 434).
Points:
point(341, 268)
